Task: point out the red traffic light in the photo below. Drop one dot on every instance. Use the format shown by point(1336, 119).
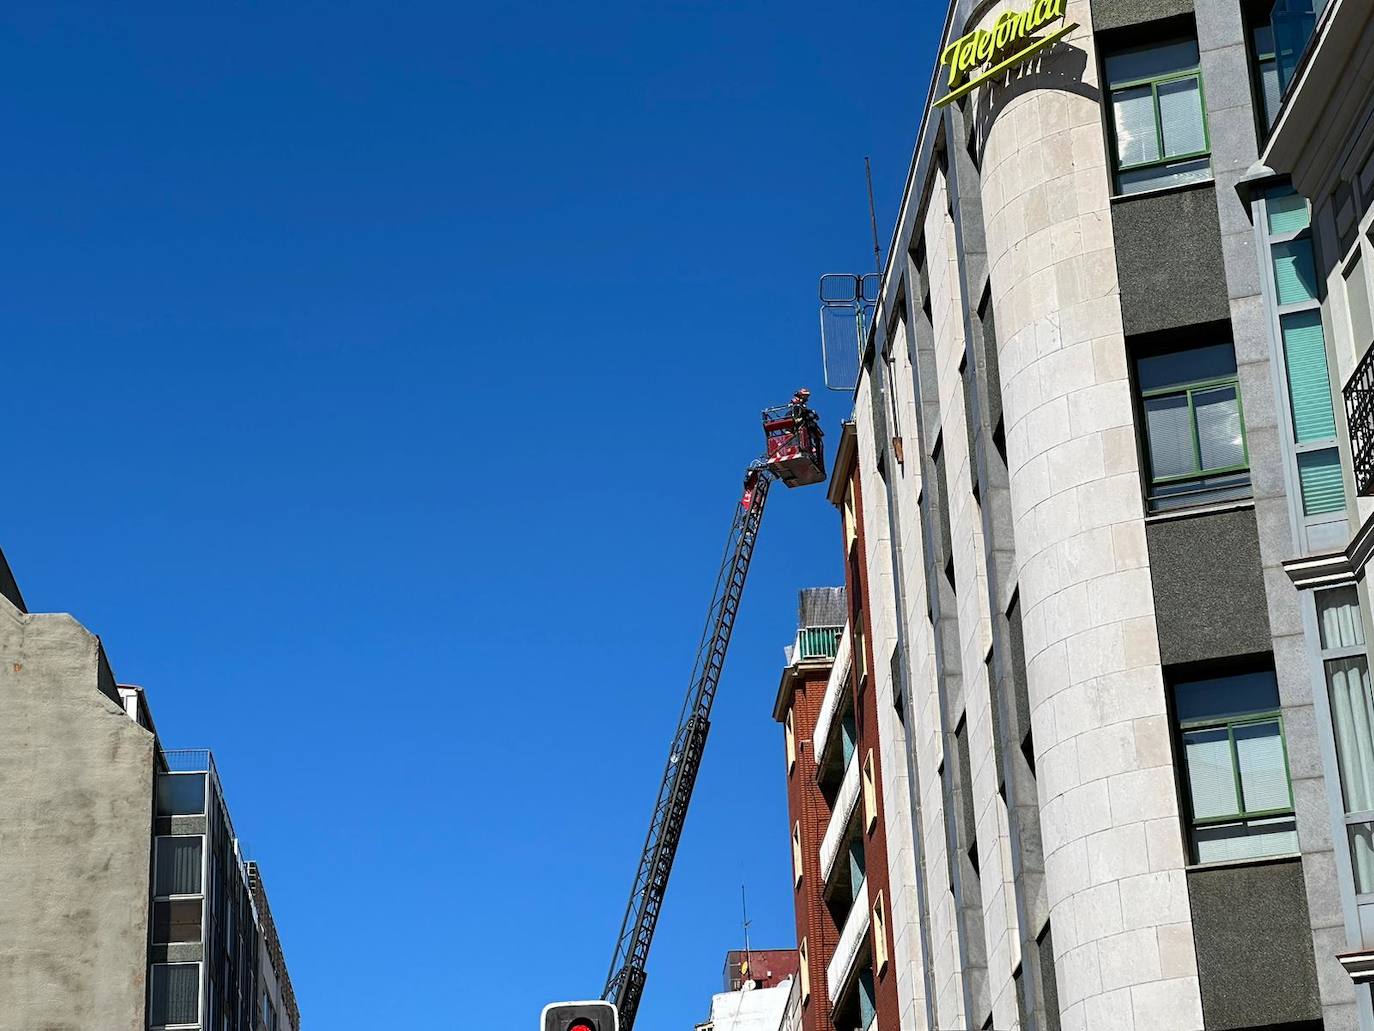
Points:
point(594, 1015)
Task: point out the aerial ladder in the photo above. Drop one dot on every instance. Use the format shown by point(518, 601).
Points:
point(795, 455)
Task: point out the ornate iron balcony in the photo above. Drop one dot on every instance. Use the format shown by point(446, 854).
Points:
point(1359, 416)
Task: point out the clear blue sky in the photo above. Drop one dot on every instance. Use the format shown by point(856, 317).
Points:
point(378, 381)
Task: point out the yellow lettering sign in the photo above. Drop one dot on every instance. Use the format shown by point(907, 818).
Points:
point(981, 46)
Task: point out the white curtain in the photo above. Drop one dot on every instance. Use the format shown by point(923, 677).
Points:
point(1352, 719)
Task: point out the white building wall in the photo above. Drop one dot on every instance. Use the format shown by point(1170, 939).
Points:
point(1113, 851)
point(903, 903)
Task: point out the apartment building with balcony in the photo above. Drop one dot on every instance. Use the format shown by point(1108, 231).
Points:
point(125, 902)
point(842, 884)
point(1311, 198)
point(1095, 450)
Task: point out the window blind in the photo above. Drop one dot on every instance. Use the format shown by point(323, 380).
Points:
point(1309, 387)
point(1180, 114)
point(1295, 275)
point(1319, 476)
point(178, 866)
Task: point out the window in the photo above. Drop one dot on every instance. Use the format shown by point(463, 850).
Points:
point(805, 965)
point(858, 865)
point(176, 993)
point(859, 658)
point(870, 794)
point(964, 787)
point(851, 528)
point(1265, 69)
point(1236, 762)
point(176, 922)
point(849, 737)
point(879, 935)
point(1294, 22)
point(1287, 233)
point(791, 735)
point(796, 853)
point(180, 794)
point(868, 1006)
point(1194, 427)
point(1357, 293)
point(1346, 665)
point(178, 867)
point(1159, 116)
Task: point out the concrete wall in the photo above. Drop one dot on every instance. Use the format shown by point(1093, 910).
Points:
point(761, 1009)
point(76, 781)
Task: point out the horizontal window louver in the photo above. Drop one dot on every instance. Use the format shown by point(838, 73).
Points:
point(1309, 388)
point(1319, 473)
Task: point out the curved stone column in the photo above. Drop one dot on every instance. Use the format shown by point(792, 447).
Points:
point(1114, 859)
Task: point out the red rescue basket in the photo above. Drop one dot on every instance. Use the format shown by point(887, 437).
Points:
point(796, 450)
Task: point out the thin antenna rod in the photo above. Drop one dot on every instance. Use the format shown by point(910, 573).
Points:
point(744, 907)
point(873, 217)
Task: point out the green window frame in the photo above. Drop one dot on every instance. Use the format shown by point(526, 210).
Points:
point(1260, 827)
point(1126, 179)
point(1242, 812)
point(1168, 491)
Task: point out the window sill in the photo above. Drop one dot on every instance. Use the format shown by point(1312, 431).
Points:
point(1199, 510)
point(1159, 191)
point(1227, 864)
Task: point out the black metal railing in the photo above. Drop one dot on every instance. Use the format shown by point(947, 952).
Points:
point(1359, 416)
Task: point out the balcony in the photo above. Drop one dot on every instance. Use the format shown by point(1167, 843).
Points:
point(1359, 415)
point(830, 701)
point(845, 802)
point(852, 936)
point(816, 642)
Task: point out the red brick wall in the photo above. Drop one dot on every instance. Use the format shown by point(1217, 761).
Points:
point(806, 804)
point(767, 967)
point(866, 719)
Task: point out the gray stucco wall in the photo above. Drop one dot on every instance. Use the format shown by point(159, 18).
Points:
point(1208, 587)
point(1117, 14)
point(1168, 259)
point(1254, 953)
point(75, 828)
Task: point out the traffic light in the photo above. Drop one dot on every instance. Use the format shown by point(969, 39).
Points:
point(579, 1016)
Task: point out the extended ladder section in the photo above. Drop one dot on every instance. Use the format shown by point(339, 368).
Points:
point(625, 982)
point(795, 455)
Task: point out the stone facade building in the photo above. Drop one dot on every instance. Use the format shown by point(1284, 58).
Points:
point(1311, 201)
point(1094, 438)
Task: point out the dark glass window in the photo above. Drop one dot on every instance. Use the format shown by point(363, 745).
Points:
point(1269, 93)
point(176, 993)
point(177, 921)
point(180, 794)
point(178, 866)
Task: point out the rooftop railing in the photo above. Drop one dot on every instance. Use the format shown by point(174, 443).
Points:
point(187, 760)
